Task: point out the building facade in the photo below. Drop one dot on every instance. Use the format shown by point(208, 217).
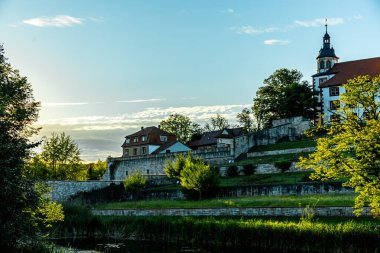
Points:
point(331, 75)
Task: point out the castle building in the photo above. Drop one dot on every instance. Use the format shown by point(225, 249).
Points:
point(331, 75)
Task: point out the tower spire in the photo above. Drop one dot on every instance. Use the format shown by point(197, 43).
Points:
point(326, 24)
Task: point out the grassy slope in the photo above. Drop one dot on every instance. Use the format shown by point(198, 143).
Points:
point(259, 201)
point(285, 145)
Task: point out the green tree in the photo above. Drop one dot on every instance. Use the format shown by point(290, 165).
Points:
point(246, 121)
point(95, 171)
point(18, 195)
point(173, 168)
point(351, 147)
point(181, 126)
point(61, 154)
point(198, 176)
point(135, 183)
point(217, 123)
point(283, 95)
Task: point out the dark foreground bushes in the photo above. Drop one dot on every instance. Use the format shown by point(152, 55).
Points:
point(244, 234)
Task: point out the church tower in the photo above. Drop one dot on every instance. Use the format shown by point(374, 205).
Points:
point(326, 57)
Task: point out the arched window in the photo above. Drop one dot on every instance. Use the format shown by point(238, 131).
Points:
point(328, 64)
point(322, 65)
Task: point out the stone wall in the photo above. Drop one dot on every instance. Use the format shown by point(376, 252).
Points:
point(281, 152)
point(119, 168)
point(62, 190)
point(340, 211)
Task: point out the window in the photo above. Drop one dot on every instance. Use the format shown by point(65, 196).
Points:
point(328, 64)
point(135, 151)
point(322, 80)
point(334, 91)
point(128, 140)
point(143, 150)
point(126, 152)
point(163, 138)
point(322, 65)
point(147, 172)
point(143, 138)
point(126, 172)
point(136, 139)
point(334, 104)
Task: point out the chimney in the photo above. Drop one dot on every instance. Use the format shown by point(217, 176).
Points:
point(142, 128)
point(159, 127)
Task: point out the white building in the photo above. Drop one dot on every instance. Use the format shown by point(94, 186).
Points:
point(331, 75)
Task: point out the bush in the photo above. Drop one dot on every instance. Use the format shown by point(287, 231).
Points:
point(232, 171)
point(249, 169)
point(135, 183)
point(283, 165)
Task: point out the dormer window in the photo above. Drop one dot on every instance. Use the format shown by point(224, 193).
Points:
point(163, 138)
point(127, 140)
point(143, 138)
point(136, 139)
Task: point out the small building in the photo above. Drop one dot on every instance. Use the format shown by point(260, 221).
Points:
point(213, 140)
point(146, 141)
point(172, 147)
point(331, 75)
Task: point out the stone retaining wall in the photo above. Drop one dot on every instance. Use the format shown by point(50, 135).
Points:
point(281, 152)
point(248, 211)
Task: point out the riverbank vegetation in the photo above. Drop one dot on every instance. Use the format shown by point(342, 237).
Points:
point(285, 234)
point(257, 201)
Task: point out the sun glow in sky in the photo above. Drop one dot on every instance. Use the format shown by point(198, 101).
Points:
point(102, 69)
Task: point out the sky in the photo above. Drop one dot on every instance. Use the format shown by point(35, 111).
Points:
point(103, 69)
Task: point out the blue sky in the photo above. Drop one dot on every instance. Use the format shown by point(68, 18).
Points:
point(102, 69)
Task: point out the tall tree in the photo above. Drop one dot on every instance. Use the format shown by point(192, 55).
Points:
point(217, 123)
point(62, 156)
point(351, 147)
point(19, 197)
point(181, 126)
point(283, 95)
point(245, 119)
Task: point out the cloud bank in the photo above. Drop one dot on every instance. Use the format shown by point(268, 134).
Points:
point(275, 42)
point(56, 21)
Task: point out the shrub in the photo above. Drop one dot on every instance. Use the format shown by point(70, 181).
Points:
point(249, 169)
point(232, 171)
point(135, 183)
point(283, 165)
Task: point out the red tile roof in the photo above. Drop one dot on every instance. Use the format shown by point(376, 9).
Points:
point(153, 137)
point(348, 70)
point(209, 138)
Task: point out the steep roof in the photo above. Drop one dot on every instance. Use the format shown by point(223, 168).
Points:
point(210, 138)
point(165, 146)
point(152, 134)
point(347, 70)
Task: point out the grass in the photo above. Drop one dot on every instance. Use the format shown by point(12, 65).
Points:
point(264, 179)
point(259, 201)
point(268, 159)
point(285, 145)
point(272, 234)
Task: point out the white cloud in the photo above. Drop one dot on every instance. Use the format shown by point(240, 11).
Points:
point(250, 30)
point(57, 21)
point(146, 117)
point(229, 11)
point(142, 100)
point(274, 42)
point(320, 22)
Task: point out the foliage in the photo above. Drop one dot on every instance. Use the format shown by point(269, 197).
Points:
point(249, 169)
point(246, 121)
point(232, 171)
point(283, 165)
point(18, 195)
point(181, 126)
point(198, 176)
point(135, 183)
point(173, 168)
point(284, 95)
point(95, 171)
point(217, 123)
point(351, 148)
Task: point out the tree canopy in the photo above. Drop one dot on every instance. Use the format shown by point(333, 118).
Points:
point(21, 201)
point(217, 123)
point(246, 121)
point(351, 147)
point(283, 95)
point(181, 126)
